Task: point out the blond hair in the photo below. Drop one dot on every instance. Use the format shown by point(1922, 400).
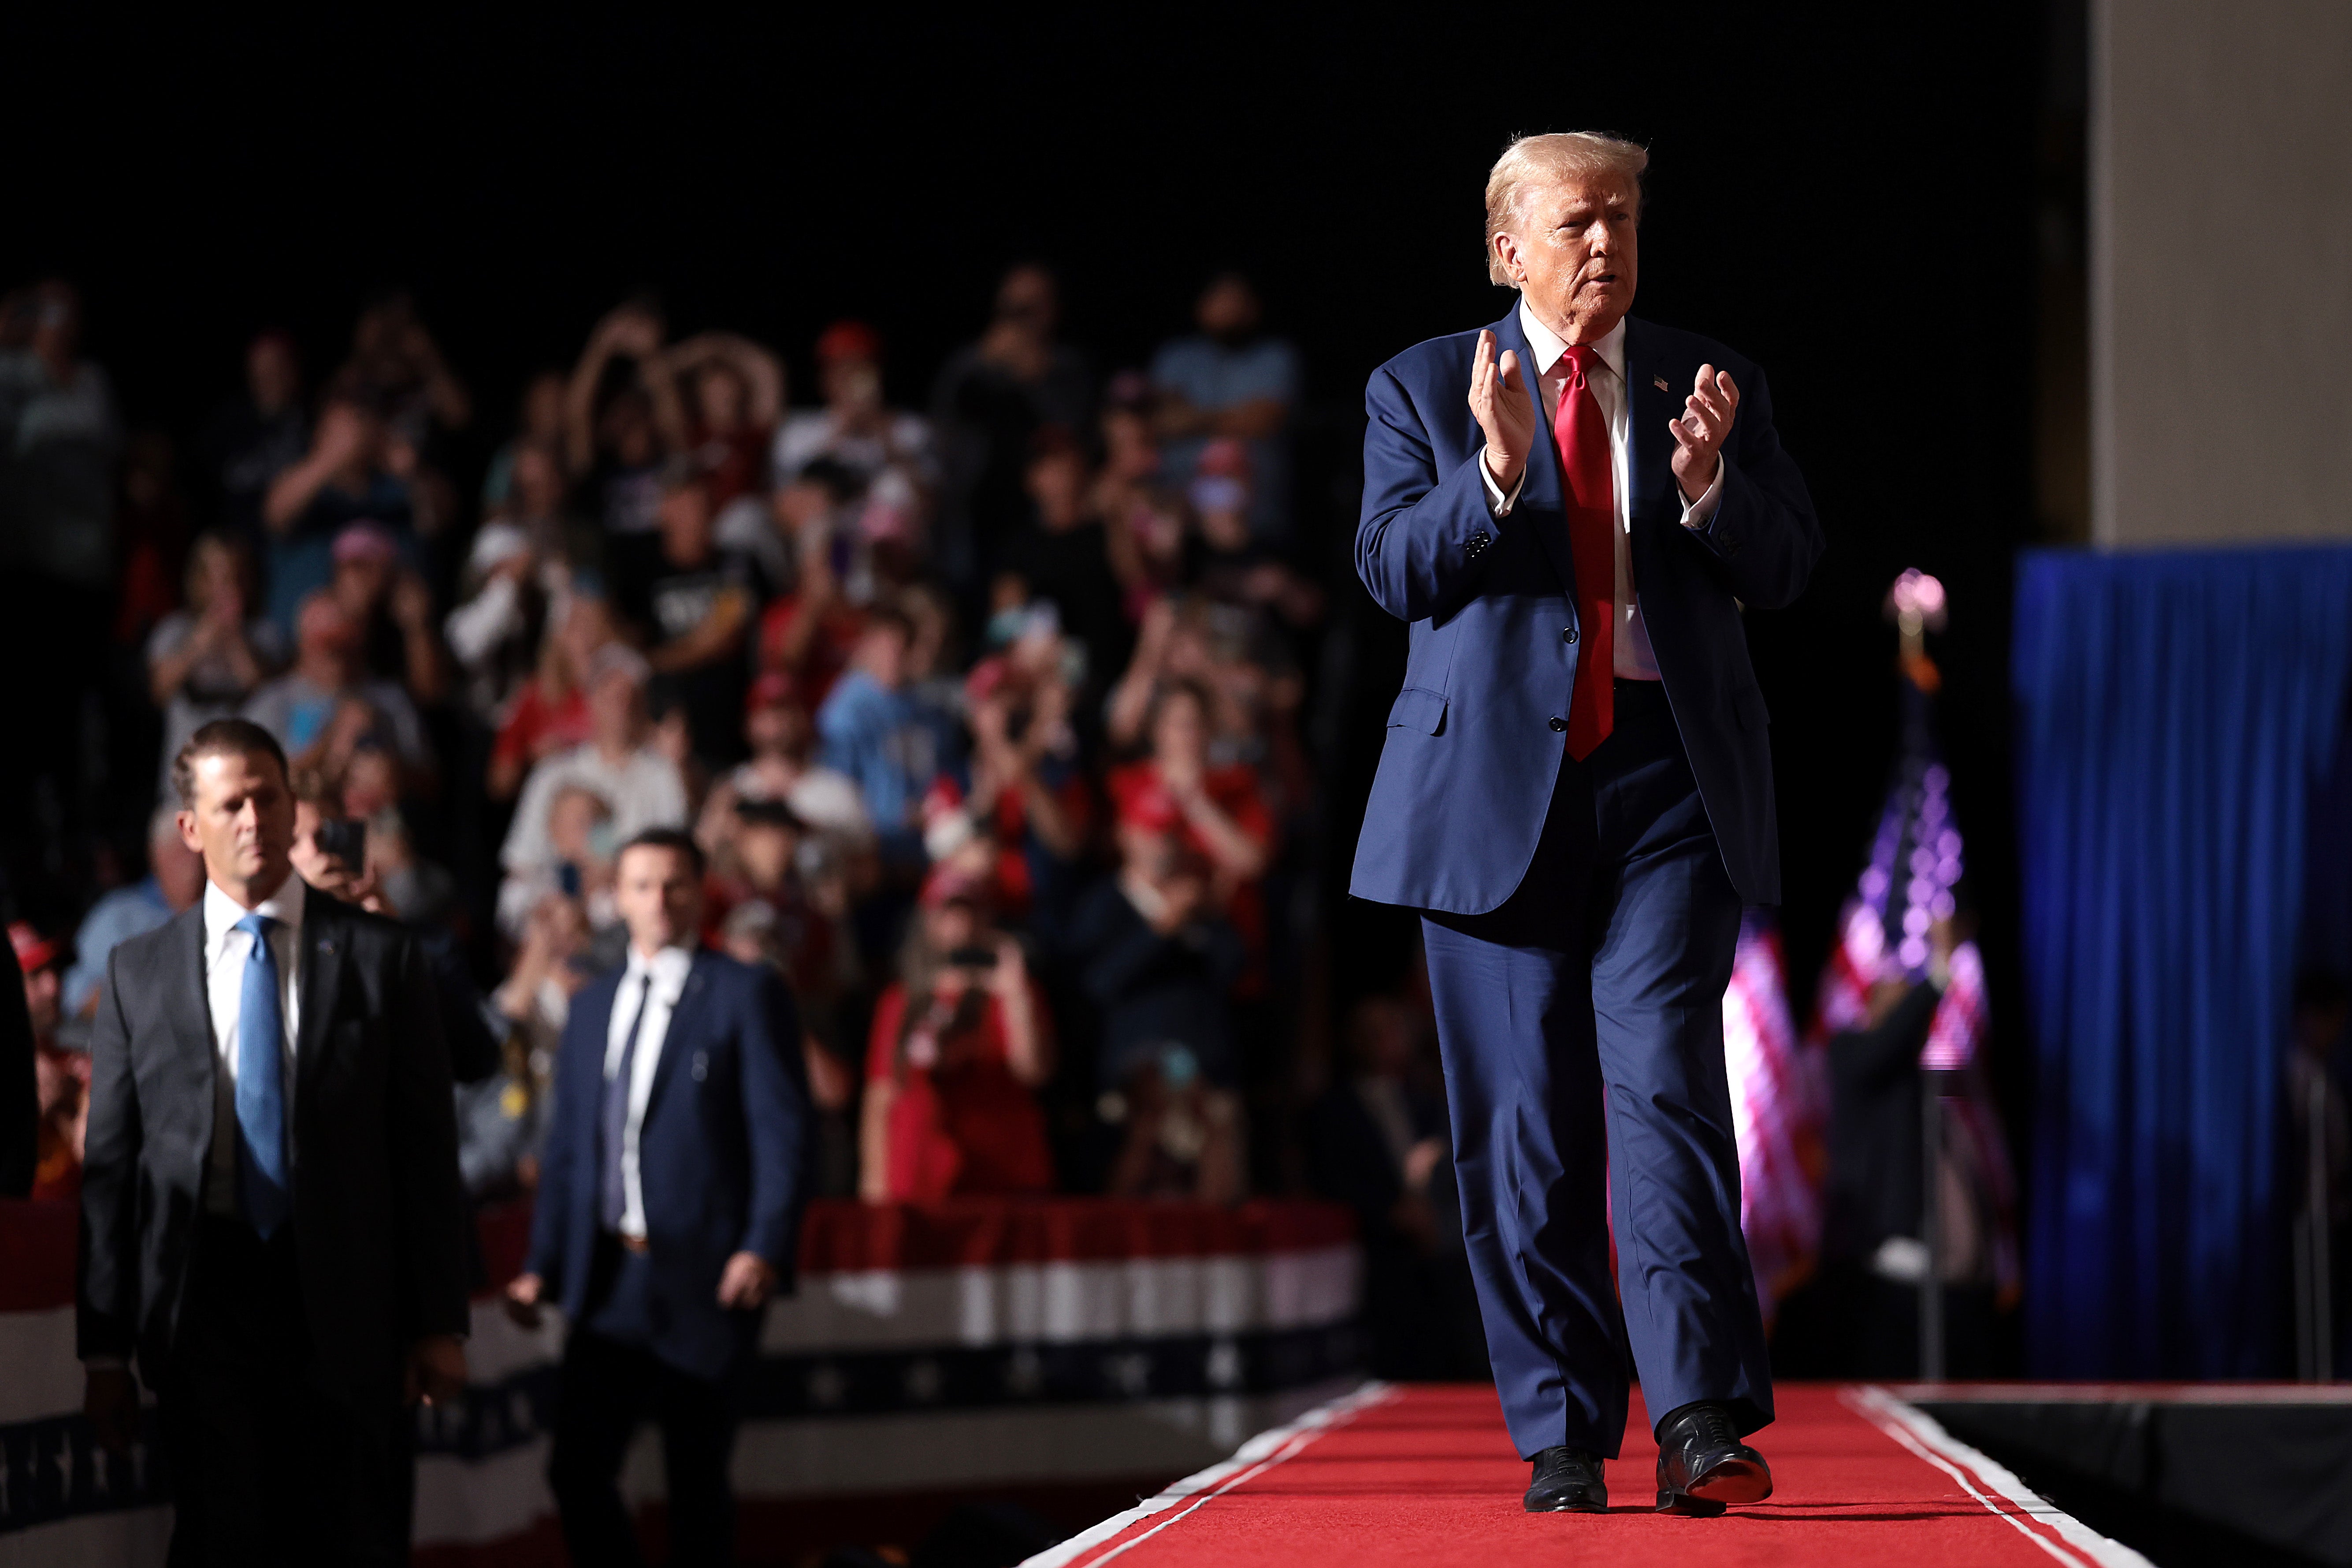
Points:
point(1548, 160)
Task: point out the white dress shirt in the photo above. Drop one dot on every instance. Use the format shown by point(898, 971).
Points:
point(225, 951)
point(1634, 657)
point(666, 970)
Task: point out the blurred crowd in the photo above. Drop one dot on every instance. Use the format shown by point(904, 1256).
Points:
point(988, 715)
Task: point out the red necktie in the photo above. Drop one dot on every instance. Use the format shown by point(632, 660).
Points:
point(1592, 500)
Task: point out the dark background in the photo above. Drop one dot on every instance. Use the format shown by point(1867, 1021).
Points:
point(1853, 205)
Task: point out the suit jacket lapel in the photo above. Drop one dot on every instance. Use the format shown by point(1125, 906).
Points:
point(1544, 490)
point(187, 1004)
point(325, 943)
point(682, 1021)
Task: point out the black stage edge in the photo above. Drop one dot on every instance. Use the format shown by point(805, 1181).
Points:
point(2242, 1475)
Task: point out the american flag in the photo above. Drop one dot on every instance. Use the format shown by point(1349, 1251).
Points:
point(1777, 1112)
point(1910, 881)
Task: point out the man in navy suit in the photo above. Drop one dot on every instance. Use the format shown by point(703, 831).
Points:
point(669, 1210)
point(1576, 792)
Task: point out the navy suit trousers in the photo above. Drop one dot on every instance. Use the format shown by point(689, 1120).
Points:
point(1581, 1029)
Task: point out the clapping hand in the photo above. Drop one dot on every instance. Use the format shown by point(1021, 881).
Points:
point(1698, 434)
point(634, 331)
point(1499, 400)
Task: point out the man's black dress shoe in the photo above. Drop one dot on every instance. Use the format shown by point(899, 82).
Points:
point(1703, 1464)
point(1568, 1480)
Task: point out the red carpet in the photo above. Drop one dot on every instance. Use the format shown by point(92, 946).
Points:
point(1425, 1475)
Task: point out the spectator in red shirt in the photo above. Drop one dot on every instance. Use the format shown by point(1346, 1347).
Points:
point(810, 633)
point(550, 711)
point(961, 1042)
point(1219, 812)
point(62, 1074)
point(735, 393)
point(1019, 814)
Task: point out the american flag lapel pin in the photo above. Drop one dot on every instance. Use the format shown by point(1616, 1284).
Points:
point(1660, 382)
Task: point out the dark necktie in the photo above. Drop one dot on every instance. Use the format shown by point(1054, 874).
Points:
point(1591, 496)
point(612, 1193)
point(261, 1174)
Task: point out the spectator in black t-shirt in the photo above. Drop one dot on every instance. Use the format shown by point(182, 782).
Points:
point(695, 606)
point(618, 444)
point(992, 396)
point(259, 436)
point(397, 360)
point(1061, 555)
point(1160, 959)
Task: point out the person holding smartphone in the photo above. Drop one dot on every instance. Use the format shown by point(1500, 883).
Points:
point(960, 1043)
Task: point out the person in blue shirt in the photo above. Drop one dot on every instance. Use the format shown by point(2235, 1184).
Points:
point(872, 729)
point(175, 877)
point(1232, 383)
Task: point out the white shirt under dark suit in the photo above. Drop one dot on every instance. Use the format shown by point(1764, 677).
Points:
point(1633, 658)
point(665, 973)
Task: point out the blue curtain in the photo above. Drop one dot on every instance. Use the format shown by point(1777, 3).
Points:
point(2176, 713)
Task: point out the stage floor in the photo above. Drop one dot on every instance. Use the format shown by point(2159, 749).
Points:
point(1426, 1473)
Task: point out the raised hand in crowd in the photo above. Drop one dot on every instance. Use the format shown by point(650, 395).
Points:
point(759, 370)
point(345, 451)
point(635, 331)
point(411, 607)
point(216, 595)
point(1131, 700)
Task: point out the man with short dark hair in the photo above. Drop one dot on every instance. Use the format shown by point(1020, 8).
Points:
point(668, 1211)
point(271, 1211)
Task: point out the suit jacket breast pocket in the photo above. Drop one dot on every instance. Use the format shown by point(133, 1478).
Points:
point(1418, 708)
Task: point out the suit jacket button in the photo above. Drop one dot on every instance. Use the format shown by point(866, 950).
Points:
point(1558, 725)
point(1568, 635)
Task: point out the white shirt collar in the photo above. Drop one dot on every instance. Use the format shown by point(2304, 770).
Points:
point(222, 912)
point(669, 966)
point(1548, 346)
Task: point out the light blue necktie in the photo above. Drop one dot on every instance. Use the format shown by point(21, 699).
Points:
point(262, 1183)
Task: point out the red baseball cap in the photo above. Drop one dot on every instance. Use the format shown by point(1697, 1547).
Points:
point(950, 884)
point(1149, 807)
point(849, 339)
point(774, 688)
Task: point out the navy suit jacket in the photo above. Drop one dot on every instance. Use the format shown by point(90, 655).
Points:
point(722, 1155)
point(1467, 771)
